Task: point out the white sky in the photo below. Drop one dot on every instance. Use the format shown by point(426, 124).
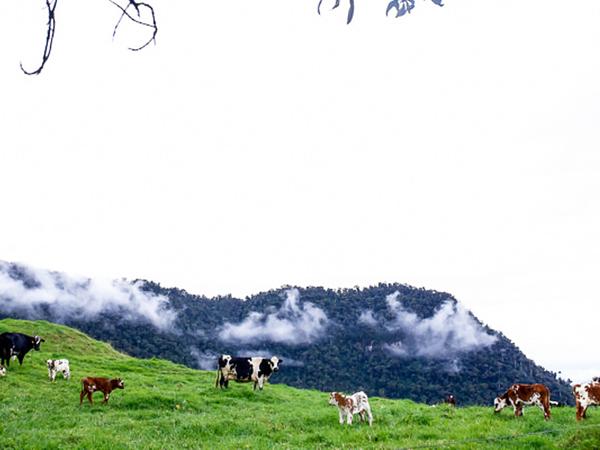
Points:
point(259, 144)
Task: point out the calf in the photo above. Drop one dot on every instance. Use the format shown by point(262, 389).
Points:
point(104, 385)
point(357, 403)
point(585, 395)
point(524, 394)
point(255, 369)
point(17, 344)
point(450, 400)
point(58, 365)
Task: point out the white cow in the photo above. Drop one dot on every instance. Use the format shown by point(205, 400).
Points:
point(357, 403)
point(58, 365)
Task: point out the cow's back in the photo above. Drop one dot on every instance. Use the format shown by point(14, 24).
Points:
point(242, 367)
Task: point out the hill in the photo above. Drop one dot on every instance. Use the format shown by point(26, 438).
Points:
point(390, 340)
point(166, 405)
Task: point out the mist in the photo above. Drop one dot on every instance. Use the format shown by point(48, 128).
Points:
point(449, 331)
point(37, 293)
point(294, 323)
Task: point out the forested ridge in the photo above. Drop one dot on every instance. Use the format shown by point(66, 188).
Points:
point(390, 340)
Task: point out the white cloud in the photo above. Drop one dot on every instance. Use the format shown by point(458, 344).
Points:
point(206, 360)
point(367, 318)
point(294, 323)
point(451, 329)
point(26, 290)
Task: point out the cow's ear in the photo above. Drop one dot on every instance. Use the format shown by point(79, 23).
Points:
point(280, 361)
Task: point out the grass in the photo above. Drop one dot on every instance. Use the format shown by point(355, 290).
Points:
point(169, 406)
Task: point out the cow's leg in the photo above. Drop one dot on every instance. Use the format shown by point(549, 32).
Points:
point(362, 415)
point(518, 408)
point(89, 396)
point(368, 408)
point(106, 396)
point(349, 418)
point(21, 357)
point(67, 374)
point(341, 417)
point(545, 407)
point(581, 411)
point(261, 383)
point(81, 396)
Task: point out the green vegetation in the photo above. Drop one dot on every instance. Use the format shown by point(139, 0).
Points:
point(347, 355)
point(165, 405)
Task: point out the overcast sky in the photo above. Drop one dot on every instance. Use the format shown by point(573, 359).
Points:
point(258, 144)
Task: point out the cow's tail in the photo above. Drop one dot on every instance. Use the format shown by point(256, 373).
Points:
point(218, 378)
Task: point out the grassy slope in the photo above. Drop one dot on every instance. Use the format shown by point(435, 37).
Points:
point(165, 405)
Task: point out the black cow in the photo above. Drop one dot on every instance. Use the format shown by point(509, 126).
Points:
point(17, 344)
point(254, 369)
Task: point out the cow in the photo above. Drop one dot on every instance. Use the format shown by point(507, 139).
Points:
point(524, 394)
point(357, 403)
point(58, 366)
point(245, 369)
point(104, 385)
point(450, 400)
point(2, 371)
point(17, 344)
point(585, 395)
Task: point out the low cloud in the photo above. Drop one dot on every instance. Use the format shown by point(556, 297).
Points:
point(38, 293)
point(449, 331)
point(205, 360)
point(366, 317)
point(294, 323)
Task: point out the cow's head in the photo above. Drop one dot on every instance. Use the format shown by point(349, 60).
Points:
point(50, 363)
point(274, 363)
point(333, 398)
point(2, 371)
point(119, 384)
point(36, 341)
point(500, 403)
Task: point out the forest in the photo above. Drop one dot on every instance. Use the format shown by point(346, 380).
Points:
point(390, 340)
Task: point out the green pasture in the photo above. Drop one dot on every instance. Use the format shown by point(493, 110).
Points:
point(169, 406)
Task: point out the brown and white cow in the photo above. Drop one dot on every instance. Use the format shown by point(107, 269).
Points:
point(450, 400)
point(519, 395)
point(104, 385)
point(357, 403)
point(585, 395)
point(56, 366)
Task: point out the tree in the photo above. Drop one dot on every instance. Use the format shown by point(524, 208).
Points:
point(132, 10)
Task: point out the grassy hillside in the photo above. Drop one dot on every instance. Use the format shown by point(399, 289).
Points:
point(165, 405)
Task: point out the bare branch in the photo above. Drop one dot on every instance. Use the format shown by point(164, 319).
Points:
point(125, 13)
point(51, 6)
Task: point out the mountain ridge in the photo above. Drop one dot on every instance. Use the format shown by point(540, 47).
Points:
point(391, 340)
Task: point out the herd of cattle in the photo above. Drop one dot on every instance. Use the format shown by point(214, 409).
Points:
point(258, 370)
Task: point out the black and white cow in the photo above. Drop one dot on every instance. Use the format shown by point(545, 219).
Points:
point(58, 366)
point(243, 370)
point(17, 344)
